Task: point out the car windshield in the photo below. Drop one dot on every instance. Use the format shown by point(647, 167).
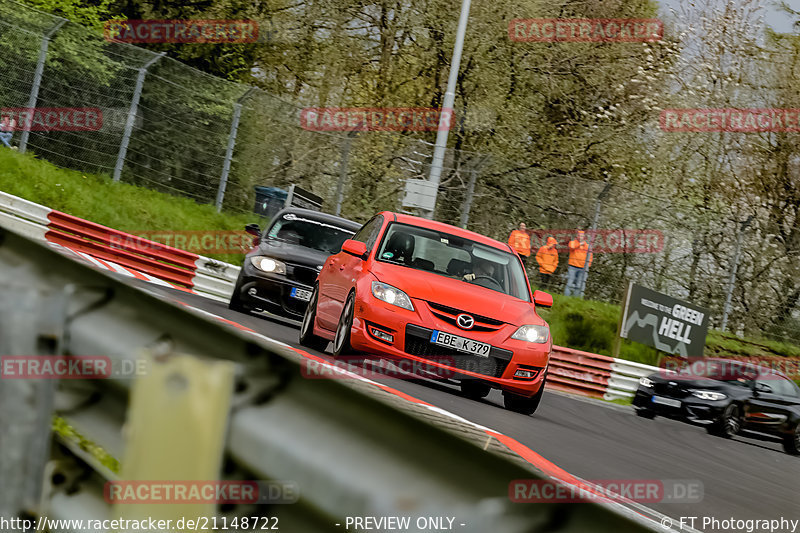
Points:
point(455, 257)
point(309, 233)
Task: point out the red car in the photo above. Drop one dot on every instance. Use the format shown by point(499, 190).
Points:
point(452, 302)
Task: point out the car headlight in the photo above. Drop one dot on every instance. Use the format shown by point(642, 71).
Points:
point(646, 382)
point(391, 295)
point(537, 334)
point(708, 395)
point(267, 264)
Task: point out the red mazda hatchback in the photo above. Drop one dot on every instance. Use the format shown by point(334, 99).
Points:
point(454, 303)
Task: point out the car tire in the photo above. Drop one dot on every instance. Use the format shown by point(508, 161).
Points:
point(235, 303)
point(341, 342)
point(475, 389)
point(791, 442)
point(521, 404)
point(646, 413)
point(307, 337)
point(728, 424)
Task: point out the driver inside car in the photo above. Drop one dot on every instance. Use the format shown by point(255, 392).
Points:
point(480, 268)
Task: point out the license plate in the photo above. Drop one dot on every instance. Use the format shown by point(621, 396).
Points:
point(666, 401)
point(460, 343)
point(300, 294)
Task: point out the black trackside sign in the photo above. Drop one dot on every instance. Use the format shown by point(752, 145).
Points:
point(664, 322)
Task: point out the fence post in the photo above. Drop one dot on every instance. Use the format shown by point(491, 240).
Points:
point(126, 136)
point(343, 169)
point(37, 79)
point(226, 165)
point(734, 267)
point(473, 177)
point(597, 206)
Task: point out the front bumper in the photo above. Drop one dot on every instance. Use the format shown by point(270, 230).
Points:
point(691, 409)
point(271, 292)
point(411, 331)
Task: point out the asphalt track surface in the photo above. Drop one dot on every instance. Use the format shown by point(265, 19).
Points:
point(743, 478)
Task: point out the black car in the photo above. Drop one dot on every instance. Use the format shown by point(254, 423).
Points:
point(727, 398)
point(278, 275)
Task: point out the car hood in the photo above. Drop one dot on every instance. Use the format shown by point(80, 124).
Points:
point(457, 294)
point(292, 253)
point(689, 382)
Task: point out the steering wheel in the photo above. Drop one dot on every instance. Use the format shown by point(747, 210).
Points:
point(488, 278)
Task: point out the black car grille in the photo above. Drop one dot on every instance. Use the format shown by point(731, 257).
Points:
point(666, 388)
point(449, 314)
point(418, 344)
point(302, 274)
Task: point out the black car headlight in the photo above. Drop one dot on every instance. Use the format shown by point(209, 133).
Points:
point(647, 383)
point(708, 395)
point(268, 264)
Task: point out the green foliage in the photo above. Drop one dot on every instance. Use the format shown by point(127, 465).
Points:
point(62, 428)
point(117, 205)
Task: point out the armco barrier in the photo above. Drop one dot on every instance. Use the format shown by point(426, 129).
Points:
point(114, 250)
point(573, 371)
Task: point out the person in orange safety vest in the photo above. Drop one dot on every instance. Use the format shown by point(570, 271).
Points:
point(547, 257)
point(576, 270)
point(520, 241)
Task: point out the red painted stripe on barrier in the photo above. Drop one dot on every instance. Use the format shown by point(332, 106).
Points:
point(160, 270)
point(593, 372)
point(119, 240)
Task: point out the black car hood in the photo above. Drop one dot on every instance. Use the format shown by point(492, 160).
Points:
point(291, 253)
point(690, 382)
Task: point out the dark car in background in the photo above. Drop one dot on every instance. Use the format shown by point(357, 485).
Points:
point(278, 274)
point(727, 397)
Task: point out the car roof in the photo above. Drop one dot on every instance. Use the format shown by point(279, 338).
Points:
point(447, 228)
point(320, 216)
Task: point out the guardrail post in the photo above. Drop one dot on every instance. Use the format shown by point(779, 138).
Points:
point(37, 78)
point(226, 165)
point(126, 135)
point(26, 404)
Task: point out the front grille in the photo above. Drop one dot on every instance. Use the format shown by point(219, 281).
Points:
point(302, 274)
point(418, 344)
point(449, 314)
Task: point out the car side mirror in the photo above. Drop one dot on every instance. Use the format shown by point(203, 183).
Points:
point(356, 248)
point(763, 387)
point(253, 230)
point(542, 299)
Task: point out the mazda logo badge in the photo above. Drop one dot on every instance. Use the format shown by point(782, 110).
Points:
point(465, 321)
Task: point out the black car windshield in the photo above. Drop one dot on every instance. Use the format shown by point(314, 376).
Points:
point(455, 257)
point(309, 233)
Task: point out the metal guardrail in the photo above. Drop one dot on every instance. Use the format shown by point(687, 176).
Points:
point(219, 402)
point(209, 277)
